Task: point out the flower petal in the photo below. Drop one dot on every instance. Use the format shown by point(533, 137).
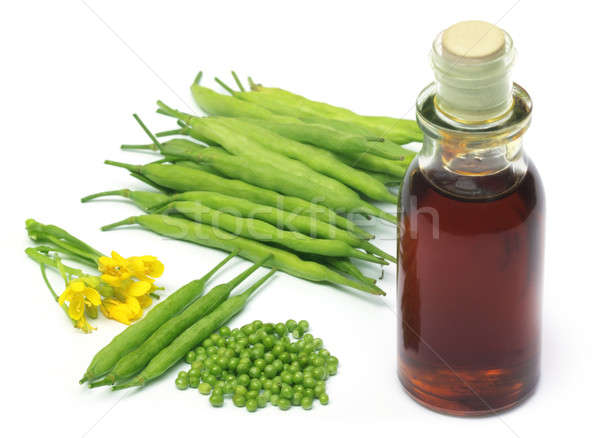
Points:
point(106, 264)
point(116, 310)
point(76, 307)
point(134, 305)
point(65, 296)
point(139, 288)
point(145, 301)
point(117, 258)
point(77, 286)
point(84, 325)
point(156, 269)
point(93, 296)
point(112, 280)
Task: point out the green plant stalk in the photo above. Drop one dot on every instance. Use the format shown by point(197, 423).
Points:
point(39, 255)
point(41, 233)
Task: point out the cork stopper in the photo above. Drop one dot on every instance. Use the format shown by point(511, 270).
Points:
point(473, 41)
point(472, 62)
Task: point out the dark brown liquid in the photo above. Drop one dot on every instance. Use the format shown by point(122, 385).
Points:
point(469, 291)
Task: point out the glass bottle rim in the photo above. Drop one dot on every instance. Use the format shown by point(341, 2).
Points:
point(493, 128)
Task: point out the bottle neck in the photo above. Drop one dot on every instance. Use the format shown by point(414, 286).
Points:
point(473, 160)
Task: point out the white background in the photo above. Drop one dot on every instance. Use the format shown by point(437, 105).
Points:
point(72, 74)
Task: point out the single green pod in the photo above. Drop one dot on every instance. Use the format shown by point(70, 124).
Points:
point(183, 229)
point(307, 225)
point(215, 103)
point(388, 180)
point(143, 199)
point(137, 333)
point(373, 163)
point(135, 360)
point(286, 103)
point(192, 336)
point(347, 267)
point(263, 231)
point(328, 138)
point(184, 179)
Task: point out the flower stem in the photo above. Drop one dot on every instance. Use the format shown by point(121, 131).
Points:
point(69, 249)
point(40, 233)
point(45, 277)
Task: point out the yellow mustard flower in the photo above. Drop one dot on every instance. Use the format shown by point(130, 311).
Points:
point(79, 296)
point(130, 296)
point(145, 267)
point(137, 288)
point(125, 312)
point(129, 301)
point(114, 269)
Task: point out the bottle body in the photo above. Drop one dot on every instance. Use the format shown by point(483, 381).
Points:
point(470, 260)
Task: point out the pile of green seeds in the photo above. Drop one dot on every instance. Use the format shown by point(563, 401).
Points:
point(259, 364)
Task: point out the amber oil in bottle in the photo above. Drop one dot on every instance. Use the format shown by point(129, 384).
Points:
point(471, 234)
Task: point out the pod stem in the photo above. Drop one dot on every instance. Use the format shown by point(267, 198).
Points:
point(368, 257)
point(248, 292)
point(372, 249)
point(161, 209)
point(241, 277)
point(129, 221)
point(155, 142)
point(147, 147)
point(198, 78)
point(253, 86)
point(165, 159)
point(212, 272)
point(108, 380)
point(168, 111)
point(151, 183)
point(45, 277)
point(137, 382)
point(225, 86)
point(83, 380)
point(367, 209)
point(123, 192)
point(131, 167)
point(237, 81)
point(180, 131)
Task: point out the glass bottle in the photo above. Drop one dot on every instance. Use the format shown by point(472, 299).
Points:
point(471, 234)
